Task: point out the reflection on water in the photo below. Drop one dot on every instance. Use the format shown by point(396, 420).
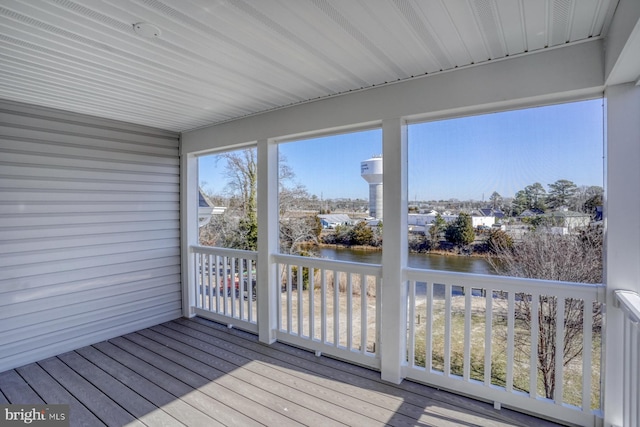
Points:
point(461, 264)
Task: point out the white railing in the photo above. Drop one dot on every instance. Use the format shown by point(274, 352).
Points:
point(496, 338)
point(629, 303)
point(330, 306)
point(225, 286)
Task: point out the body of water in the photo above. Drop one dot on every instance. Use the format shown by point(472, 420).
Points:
point(463, 264)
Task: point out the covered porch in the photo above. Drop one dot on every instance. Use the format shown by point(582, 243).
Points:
point(103, 119)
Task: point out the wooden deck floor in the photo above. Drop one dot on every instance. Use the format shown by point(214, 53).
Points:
point(199, 373)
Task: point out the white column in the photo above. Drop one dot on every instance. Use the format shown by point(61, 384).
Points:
point(188, 227)
point(622, 244)
point(393, 327)
point(267, 283)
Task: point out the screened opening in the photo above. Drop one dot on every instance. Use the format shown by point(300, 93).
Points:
point(516, 193)
point(227, 213)
point(330, 197)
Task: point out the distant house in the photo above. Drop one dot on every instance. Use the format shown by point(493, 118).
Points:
point(206, 210)
point(334, 220)
point(531, 212)
point(496, 213)
point(567, 219)
point(425, 220)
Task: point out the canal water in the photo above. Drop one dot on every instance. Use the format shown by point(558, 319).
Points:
point(463, 264)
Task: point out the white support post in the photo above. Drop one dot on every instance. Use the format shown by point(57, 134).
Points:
point(189, 228)
point(622, 239)
point(267, 281)
point(393, 321)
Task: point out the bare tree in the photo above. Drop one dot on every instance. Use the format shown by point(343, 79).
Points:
point(296, 231)
point(569, 258)
point(241, 170)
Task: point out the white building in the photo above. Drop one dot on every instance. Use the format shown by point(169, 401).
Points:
point(427, 219)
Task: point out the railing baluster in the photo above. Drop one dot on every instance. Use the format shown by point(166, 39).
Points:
point(587, 349)
point(378, 312)
point(535, 331)
point(289, 307)
point(323, 306)
point(232, 286)
point(411, 343)
point(429, 326)
point(217, 283)
point(559, 362)
point(197, 261)
point(239, 287)
point(299, 292)
point(488, 336)
point(349, 310)
point(447, 329)
point(466, 373)
point(511, 327)
point(223, 286)
point(209, 281)
point(364, 316)
point(280, 270)
point(250, 290)
point(336, 308)
point(312, 307)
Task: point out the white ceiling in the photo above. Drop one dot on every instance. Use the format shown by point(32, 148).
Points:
point(217, 60)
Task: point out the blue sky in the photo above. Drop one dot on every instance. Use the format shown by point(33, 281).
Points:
point(464, 158)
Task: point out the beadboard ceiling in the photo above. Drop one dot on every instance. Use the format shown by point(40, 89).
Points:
point(218, 60)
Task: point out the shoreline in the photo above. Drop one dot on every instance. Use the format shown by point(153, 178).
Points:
point(365, 248)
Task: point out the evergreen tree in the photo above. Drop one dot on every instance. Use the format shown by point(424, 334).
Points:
point(496, 200)
point(536, 196)
point(436, 228)
point(561, 193)
point(460, 232)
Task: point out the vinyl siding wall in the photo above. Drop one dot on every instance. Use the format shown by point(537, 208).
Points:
point(89, 231)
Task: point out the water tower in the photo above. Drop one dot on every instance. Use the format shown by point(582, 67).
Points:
point(371, 171)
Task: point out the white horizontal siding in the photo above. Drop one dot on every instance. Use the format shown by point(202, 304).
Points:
point(89, 230)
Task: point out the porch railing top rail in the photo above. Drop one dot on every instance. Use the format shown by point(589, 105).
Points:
point(507, 283)
point(236, 253)
point(329, 264)
point(629, 303)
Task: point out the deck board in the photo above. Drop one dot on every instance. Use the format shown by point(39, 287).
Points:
point(16, 389)
point(177, 388)
point(266, 394)
point(195, 372)
point(312, 401)
point(362, 410)
point(129, 400)
point(53, 393)
point(96, 401)
point(207, 378)
point(158, 396)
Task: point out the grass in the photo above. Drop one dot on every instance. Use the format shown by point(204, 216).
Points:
point(573, 371)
